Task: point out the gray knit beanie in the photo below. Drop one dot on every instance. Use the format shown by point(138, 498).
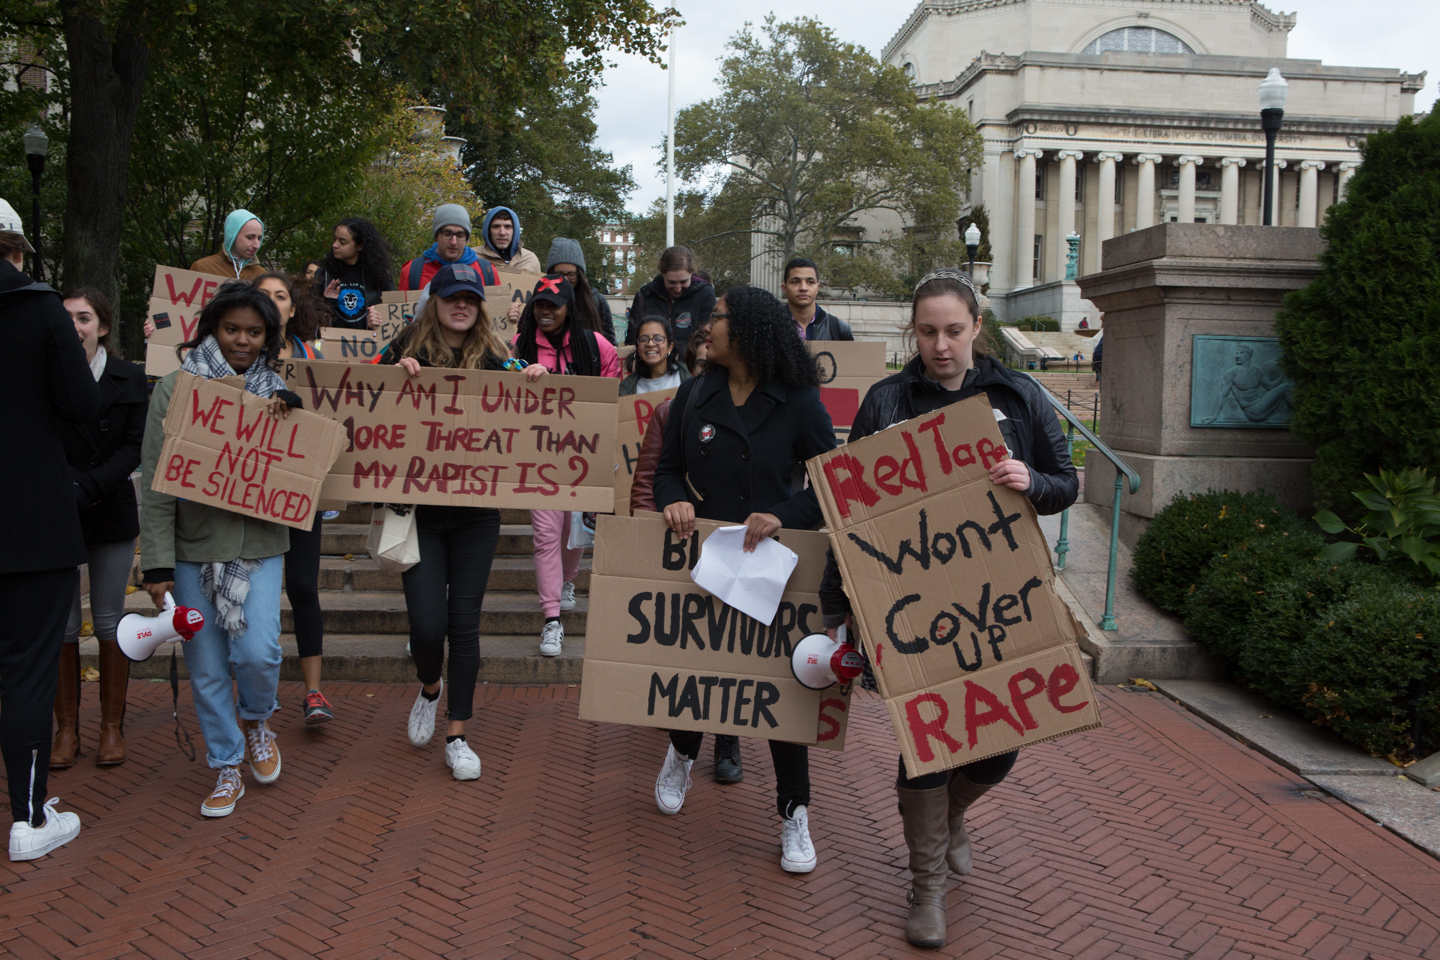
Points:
point(451, 215)
point(563, 250)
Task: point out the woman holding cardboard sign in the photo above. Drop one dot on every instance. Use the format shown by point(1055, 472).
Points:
point(953, 364)
point(354, 274)
point(732, 442)
point(444, 591)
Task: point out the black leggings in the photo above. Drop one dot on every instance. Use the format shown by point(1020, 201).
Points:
point(443, 595)
point(791, 761)
point(302, 585)
point(982, 773)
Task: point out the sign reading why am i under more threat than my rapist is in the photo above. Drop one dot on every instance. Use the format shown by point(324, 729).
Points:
point(953, 591)
point(464, 437)
point(663, 652)
point(223, 448)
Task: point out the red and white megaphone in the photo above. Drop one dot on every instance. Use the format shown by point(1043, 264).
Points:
point(140, 636)
point(819, 662)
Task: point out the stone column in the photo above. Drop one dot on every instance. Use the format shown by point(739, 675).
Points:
point(1347, 170)
point(1025, 220)
point(1145, 190)
point(1230, 189)
point(1066, 225)
point(1275, 207)
point(1187, 165)
point(1105, 219)
point(1309, 193)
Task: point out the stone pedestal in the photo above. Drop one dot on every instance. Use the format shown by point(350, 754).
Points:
point(1060, 300)
point(1159, 289)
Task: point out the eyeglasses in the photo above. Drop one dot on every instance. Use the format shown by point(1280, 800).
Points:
point(657, 338)
point(453, 234)
point(571, 275)
point(717, 315)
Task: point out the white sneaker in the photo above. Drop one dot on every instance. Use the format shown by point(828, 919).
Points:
point(797, 853)
point(462, 760)
point(567, 597)
point(30, 843)
point(229, 788)
point(673, 782)
point(422, 716)
point(550, 638)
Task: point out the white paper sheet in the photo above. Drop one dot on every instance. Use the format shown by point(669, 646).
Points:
point(750, 582)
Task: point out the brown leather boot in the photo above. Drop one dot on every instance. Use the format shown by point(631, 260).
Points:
point(927, 834)
point(114, 681)
point(67, 709)
point(962, 794)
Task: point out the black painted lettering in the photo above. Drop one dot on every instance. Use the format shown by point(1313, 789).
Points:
point(740, 701)
point(765, 695)
point(665, 690)
point(661, 637)
point(637, 611)
point(917, 645)
point(694, 611)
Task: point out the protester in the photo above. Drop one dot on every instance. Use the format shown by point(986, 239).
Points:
point(953, 364)
point(802, 286)
point(311, 266)
point(593, 310)
point(102, 454)
point(49, 380)
point(501, 231)
point(226, 565)
point(238, 250)
point(1098, 356)
point(354, 275)
point(696, 349)
point(674, 294)
point(729, 455)
point(450, 228)
point(445, 590)
point(549, 337)
point(655, 364)
point(642, 494)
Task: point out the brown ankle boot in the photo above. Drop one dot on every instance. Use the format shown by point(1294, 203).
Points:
point(67, 709)
point(927, 834)
point(962, 794)
point(114, 681)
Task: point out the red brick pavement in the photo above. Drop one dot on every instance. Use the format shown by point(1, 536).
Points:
point(1154, 837)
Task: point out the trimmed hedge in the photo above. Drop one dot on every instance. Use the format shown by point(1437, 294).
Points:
point(1042, 324)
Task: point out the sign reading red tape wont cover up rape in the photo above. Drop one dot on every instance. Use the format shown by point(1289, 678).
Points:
point(464, 437)
point(953, 590)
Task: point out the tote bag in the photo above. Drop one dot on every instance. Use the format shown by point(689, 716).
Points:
point(394, 541)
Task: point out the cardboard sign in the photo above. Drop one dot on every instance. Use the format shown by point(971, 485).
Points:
point(635, 413)
point(661, 651)
point(953, 590)
point(397, 313)
point(847, 370)
point(175, 303)
point(400, 296)
point(465, 437)
point(359, 346)
point(222, 448)
point(514, 287)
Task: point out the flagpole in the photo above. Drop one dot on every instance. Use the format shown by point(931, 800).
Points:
point(670, 154)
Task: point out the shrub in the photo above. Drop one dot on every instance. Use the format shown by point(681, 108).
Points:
point(1043, 324)
point(1191, 530)
point(1401, 528)
point(1362, 342)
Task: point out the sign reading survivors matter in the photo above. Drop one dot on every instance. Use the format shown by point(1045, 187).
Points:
point(660, 651)
point(475, 438)
point(953, 590)
point(224, 449)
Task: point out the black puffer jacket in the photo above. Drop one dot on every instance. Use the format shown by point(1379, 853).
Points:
point(1031, 432)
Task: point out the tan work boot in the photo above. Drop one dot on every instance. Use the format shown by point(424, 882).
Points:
point(67, 709)
point(114, 682)
point(262, 751)
point(228, 790)
point(962, 794)
point(927, 834)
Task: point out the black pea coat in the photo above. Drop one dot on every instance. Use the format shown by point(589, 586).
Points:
point(46, 378)
point(105, 451)
point(734, 472)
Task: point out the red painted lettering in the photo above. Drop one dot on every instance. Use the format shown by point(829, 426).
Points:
point(996, 711)
point(922, 730)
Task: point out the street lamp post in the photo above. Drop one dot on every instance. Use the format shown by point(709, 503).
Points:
point(1272, 112)
point(36, 143)
point(972, 245)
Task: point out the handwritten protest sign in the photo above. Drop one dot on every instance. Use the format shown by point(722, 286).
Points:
point(224, 449)
point(175, 303)
point(464, 437)
point(847, 370)
point(953, 590)
point(661, 651)
point(343, 343)
point(635, 413)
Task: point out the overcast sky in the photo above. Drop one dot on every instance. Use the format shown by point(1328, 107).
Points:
point(631, 115)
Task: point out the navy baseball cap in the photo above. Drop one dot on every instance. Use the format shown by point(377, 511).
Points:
point(456, 278)
point(554, 288)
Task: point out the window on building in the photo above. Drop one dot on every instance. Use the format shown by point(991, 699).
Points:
point(1039, 249)
point(970, 108)
point(909, 69)
point(1039, 181)
point(1138, 40)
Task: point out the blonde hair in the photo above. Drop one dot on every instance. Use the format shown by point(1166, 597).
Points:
point(425, 339)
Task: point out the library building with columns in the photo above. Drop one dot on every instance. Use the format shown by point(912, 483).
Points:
point(1104, 116)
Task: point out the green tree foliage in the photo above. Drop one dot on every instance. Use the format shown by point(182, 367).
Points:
point(718, 235)
point(1362, 342)
point(807, 135)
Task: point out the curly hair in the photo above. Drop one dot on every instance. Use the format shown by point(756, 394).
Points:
point(305, 319)
point(374, 262)
point(762, 334)
point(232, 296)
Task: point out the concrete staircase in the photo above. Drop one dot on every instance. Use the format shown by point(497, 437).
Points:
point(366, 626)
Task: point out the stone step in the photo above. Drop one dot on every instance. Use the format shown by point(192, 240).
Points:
point(506, 573)
point(338, 539)
point(381, 658)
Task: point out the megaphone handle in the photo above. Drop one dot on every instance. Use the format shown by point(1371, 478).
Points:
point(840, 633)
point(168, 603)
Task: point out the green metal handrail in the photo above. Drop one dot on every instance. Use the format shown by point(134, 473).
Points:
point(1122, 472)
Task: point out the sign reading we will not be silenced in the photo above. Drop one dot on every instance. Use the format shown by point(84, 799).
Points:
point(661, 651)
point(464, 437)
point(175, 303)
point(953, 590)
point(224, 449)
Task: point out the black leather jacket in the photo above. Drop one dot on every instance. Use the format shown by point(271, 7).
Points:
point(827, 326)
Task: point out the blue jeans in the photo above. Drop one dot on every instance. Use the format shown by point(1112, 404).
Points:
point(253, 659)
